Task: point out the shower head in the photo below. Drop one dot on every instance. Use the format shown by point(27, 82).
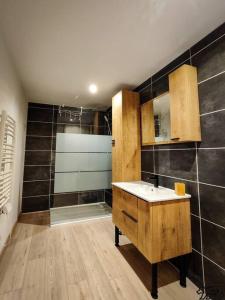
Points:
point(107, 121)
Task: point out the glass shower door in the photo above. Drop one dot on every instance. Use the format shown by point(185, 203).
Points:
point(82, 165)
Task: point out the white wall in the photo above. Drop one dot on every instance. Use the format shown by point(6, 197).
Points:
point(12, 100)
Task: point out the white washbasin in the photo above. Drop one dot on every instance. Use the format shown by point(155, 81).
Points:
point(148, 192)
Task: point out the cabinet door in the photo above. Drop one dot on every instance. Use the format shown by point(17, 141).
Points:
point(171, 229)
point(144, 228)
point(147, 123)
point(117, 146)
point(124, 213)
point(184, 105)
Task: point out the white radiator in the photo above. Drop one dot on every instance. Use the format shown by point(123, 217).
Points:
point(7, 149)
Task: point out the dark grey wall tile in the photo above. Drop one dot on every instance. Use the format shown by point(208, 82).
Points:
point(40, 114)
point(212, 36)
point(212, 203)
point(38, 143)
point(195, 232)
point(195, 269)
point(108, 197)
point(40, 129)
point(52, 183)
point(146, 94)
point(32, 204)
point(212, 128)
point(91, 197)
point(40, 105)
point(38, 158)
point(36, 173)
point(176, 163)
point(191, 188)
point(214, 280)
point(213, 242)
point(211, 60)
point(160, 86)
point(143, 85)
point(66, 199)
point(147, 161)
point(212, 166)
point(211, 94)
point(36, 188)
point(176, 146)
point(183, 58)
point(150, 147)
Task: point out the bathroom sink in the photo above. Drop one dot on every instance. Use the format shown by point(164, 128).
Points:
point(148, 192)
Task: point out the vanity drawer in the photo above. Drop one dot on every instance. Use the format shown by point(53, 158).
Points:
point(128, 225)
point(125, 202)
point(125, 213)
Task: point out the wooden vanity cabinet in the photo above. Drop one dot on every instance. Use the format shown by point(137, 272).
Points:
point(126, 152)
point(160, 230)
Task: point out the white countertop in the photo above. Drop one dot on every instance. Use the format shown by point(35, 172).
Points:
point(148, 192)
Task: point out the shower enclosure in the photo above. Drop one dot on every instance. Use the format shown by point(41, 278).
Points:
point(82, 169)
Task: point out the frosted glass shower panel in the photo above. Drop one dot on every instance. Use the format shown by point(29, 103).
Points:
point(70, 142)
point(82, 181)
point(68, 162)
point(83, 162)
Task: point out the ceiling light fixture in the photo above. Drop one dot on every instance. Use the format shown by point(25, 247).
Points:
point(93, 88)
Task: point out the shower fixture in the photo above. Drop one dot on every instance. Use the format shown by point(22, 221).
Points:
point(73, 115)
point(107, 121)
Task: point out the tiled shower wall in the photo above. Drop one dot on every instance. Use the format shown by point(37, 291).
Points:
point(38, 187)
point(201, 166)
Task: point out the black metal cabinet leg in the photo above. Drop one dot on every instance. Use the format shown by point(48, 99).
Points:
point(183, 270)
point(154, 291)
point(117, 235)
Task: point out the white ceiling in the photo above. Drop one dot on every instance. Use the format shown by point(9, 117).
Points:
point(61, 46)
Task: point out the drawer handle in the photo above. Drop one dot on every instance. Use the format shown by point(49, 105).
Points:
point(129, 216)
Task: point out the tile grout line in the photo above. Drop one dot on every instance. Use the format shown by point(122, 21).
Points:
point(153, 145)
point(218, 186)
point(211, 77)
point(198, 191)
point(218, 225)
point(189, 180)
point(174, 149)
point(209, 259)
point(33, 196)
point(212, 112)
point(192, 55)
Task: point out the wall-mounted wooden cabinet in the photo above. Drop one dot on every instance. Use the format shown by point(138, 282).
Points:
point(174, 116)
point(126, 155)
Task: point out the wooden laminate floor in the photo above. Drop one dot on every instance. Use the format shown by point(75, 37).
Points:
point(80, 261)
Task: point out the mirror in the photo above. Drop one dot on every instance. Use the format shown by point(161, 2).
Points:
point(161, 110)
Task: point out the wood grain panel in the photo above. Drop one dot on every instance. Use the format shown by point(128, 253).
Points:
point(184, 106)
point(126, 156)
point(125, 213)
point(147, 123)
point(80, 262)
point(171, 230)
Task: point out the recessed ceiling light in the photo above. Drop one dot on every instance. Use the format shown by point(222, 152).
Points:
point(93, 88)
